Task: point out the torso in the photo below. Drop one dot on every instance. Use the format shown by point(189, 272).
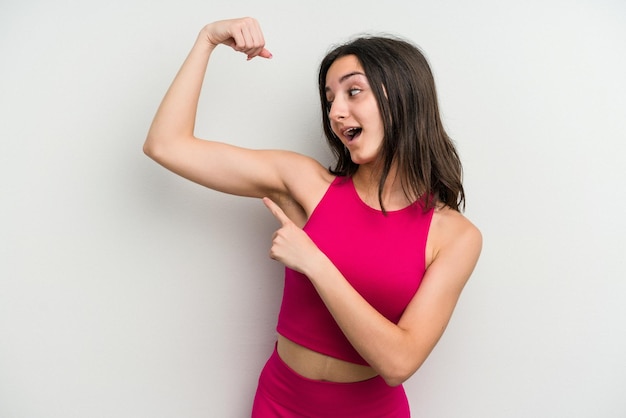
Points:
point(317, 366)
point(304, 361)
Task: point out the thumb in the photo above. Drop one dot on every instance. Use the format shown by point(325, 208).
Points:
point(265, 54)
point(276, 211)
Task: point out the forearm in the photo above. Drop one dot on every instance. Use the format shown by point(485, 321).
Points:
point(176, 115)
point(387, 347)
point(171, 135)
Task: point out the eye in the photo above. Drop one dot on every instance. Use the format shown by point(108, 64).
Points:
point(354, 91)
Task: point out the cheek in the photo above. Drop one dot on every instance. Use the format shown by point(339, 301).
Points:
point(374, 111)
point(378, 121)
point(333, 128)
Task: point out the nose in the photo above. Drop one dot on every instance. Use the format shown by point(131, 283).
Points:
point(338, 109)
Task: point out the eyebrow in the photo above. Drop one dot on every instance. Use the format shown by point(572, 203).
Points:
point(345, 77)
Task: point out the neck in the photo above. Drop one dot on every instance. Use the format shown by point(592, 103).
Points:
point(366, 181)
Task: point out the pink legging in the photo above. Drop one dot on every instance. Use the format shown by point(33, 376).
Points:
point(283, 393)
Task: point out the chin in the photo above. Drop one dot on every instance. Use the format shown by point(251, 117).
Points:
point(360, 160)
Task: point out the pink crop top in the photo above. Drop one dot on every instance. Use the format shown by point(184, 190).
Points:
point(383, 258)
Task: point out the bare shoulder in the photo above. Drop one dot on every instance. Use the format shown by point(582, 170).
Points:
point(451, 223)
point(451, 233)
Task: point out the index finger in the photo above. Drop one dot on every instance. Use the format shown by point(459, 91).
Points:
point(276, 211)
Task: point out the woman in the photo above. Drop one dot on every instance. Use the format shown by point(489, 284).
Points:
point(376, 250)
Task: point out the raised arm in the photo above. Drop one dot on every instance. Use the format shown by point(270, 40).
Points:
point(219, 166)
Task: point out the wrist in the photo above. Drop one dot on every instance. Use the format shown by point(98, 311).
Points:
point(204, 40)
point(317, 267)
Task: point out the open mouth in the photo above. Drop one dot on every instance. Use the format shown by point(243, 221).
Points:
point(352, 133)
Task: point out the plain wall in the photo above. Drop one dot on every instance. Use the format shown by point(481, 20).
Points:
point(126, 291)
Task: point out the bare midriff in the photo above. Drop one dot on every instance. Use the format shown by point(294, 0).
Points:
point(317, 366)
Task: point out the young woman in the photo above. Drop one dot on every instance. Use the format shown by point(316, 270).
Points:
point(376, 250)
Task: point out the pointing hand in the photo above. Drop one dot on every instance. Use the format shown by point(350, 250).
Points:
point(290, 244)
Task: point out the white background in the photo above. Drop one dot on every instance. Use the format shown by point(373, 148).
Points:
point(128, 292)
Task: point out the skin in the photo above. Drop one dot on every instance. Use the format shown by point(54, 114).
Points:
point(394, 351)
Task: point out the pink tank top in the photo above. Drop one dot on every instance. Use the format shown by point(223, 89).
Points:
point(383, 258)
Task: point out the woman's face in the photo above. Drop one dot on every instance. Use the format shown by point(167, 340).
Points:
point(353, 110)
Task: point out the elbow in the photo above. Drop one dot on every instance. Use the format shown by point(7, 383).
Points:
point(393, 382)
point(161, 147)
point(398, 373)
point(395, 379)
point(150, 148)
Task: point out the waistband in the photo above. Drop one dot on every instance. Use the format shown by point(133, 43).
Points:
point(285, 389)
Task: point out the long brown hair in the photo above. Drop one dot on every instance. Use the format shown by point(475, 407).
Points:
point(402, 82)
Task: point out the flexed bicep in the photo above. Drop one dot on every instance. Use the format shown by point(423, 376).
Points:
point(171, 141)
